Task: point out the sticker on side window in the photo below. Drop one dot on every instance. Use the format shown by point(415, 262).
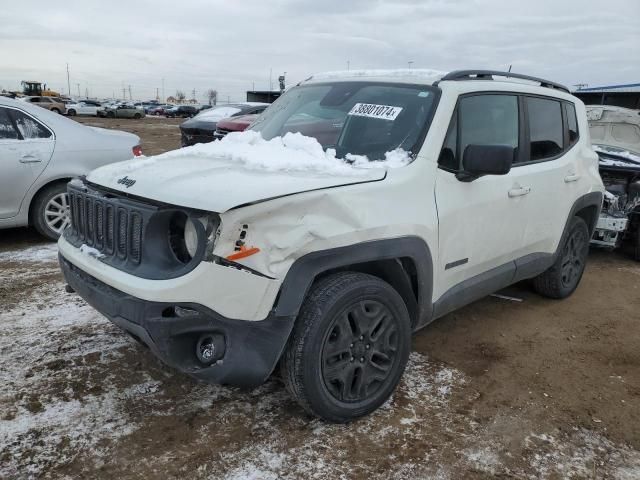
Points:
point(384, 112)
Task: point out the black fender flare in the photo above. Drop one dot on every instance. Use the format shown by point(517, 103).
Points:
point(306, 269)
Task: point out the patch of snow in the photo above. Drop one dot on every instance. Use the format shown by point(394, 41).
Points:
point(90, 251)
point(618, 152)
point(38, 253)
point(292, 153)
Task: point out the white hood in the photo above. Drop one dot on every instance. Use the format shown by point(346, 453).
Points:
point(214, 186)
point(242, 168)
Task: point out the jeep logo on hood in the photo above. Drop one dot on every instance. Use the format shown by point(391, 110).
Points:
point(127, 182)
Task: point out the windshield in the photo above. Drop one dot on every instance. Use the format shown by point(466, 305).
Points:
point(354, 118)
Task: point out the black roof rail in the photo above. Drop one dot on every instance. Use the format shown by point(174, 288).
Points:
point(489, 74)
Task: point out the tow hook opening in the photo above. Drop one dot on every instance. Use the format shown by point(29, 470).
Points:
point(210, 348)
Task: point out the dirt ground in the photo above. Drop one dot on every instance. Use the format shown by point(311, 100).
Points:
point(531, 389)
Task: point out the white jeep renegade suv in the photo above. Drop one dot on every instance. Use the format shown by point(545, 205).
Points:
point(230, 258)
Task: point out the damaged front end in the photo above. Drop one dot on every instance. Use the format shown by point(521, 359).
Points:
point(619, 220)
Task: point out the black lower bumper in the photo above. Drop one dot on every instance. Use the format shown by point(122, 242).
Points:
point(172, 331)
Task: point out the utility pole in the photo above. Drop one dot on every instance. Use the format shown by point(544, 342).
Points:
point(157, 95)
point(78, 85)
point(130, 97)
point(580, 86)
point(410, 63)
point(270, 81)
point(68, 82)
point(164, 99)
point(86, 93)
point(348, 65)
point(193, 93)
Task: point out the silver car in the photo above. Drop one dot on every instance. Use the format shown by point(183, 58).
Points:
point(40, 151)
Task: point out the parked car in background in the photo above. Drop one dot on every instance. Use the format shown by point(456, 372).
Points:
point(50, 103)
point(122, 110)
point(40, 152)
point(202, 127)
point(83, 107)
point(615, 127)
point(233, 124)
point(181, 111)
point(160, 109)
point(615, 135)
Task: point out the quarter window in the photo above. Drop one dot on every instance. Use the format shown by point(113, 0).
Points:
point(545, 128)
point(572, 123)
point(29, 128)
point(7, 130)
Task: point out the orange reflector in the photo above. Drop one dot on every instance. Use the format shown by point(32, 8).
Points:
point(243, 253)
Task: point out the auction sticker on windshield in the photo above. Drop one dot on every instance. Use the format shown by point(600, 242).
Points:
point(384, 112)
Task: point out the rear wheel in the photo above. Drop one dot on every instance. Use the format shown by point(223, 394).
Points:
point(50, 213)
point(111, 115)
point(55, 110)
point(137, 116)
point(563, 277)
point(349, 347)
point(71, 113)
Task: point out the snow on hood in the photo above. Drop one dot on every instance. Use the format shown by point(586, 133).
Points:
point(241, 168)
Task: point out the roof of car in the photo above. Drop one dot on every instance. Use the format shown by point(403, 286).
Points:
point(434, 77)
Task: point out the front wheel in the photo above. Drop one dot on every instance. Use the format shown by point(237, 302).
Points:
point(50, 213)
point(349, 347)
point(55, 110)
point(71, 113)
point(137, 116)
point(563, 277)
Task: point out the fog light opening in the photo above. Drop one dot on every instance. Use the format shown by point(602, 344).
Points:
point(210, 348)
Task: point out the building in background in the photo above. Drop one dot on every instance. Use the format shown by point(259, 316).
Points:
point(262, 96)
point(627, 95)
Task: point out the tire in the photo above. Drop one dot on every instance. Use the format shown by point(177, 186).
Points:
point(137, 116)
point(71, 113)
point(563, 277)
point(111, 115)
point(55, 110)
point(349, 347)
point(50, 210)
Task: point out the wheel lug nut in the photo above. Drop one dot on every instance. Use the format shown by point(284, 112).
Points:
point(361, 359)
point(351, 346)
point(368, 346)
point(352, 359)
point(361, 337)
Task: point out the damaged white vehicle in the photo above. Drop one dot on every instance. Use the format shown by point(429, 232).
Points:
point(359, 207)
point(615, 134)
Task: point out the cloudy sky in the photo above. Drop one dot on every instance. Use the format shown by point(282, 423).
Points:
point(233, 45)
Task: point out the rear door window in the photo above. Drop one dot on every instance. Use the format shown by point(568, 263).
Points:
point(29, 127)
point(545, 128)
point(7, 130)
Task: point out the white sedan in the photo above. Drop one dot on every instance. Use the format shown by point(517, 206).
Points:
point(40, 152)
point(83, 107)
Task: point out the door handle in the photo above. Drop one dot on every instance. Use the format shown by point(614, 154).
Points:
point(519, 192)
point(571, 178)
point(29, 158)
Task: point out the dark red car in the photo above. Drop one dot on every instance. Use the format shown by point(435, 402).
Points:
point(234, 124)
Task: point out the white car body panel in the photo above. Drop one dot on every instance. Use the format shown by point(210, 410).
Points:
point(74, 150)
point(82, 108)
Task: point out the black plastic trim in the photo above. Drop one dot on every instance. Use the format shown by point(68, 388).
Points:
point(252, 348)
point(305, 269)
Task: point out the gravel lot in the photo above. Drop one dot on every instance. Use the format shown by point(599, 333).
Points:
point(531, 389)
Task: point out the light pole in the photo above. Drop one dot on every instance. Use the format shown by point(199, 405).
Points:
point(410, 63)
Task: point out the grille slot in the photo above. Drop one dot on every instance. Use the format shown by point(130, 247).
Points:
point(114, 229)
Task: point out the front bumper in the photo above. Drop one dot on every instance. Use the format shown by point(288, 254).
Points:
point(252, 349)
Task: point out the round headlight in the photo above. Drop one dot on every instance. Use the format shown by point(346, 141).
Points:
point(191, 237)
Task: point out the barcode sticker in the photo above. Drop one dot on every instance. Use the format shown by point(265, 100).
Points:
point(384, 112)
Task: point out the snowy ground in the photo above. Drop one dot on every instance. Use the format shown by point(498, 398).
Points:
point(80, 399)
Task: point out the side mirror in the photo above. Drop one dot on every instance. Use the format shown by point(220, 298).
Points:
point(481, 160)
